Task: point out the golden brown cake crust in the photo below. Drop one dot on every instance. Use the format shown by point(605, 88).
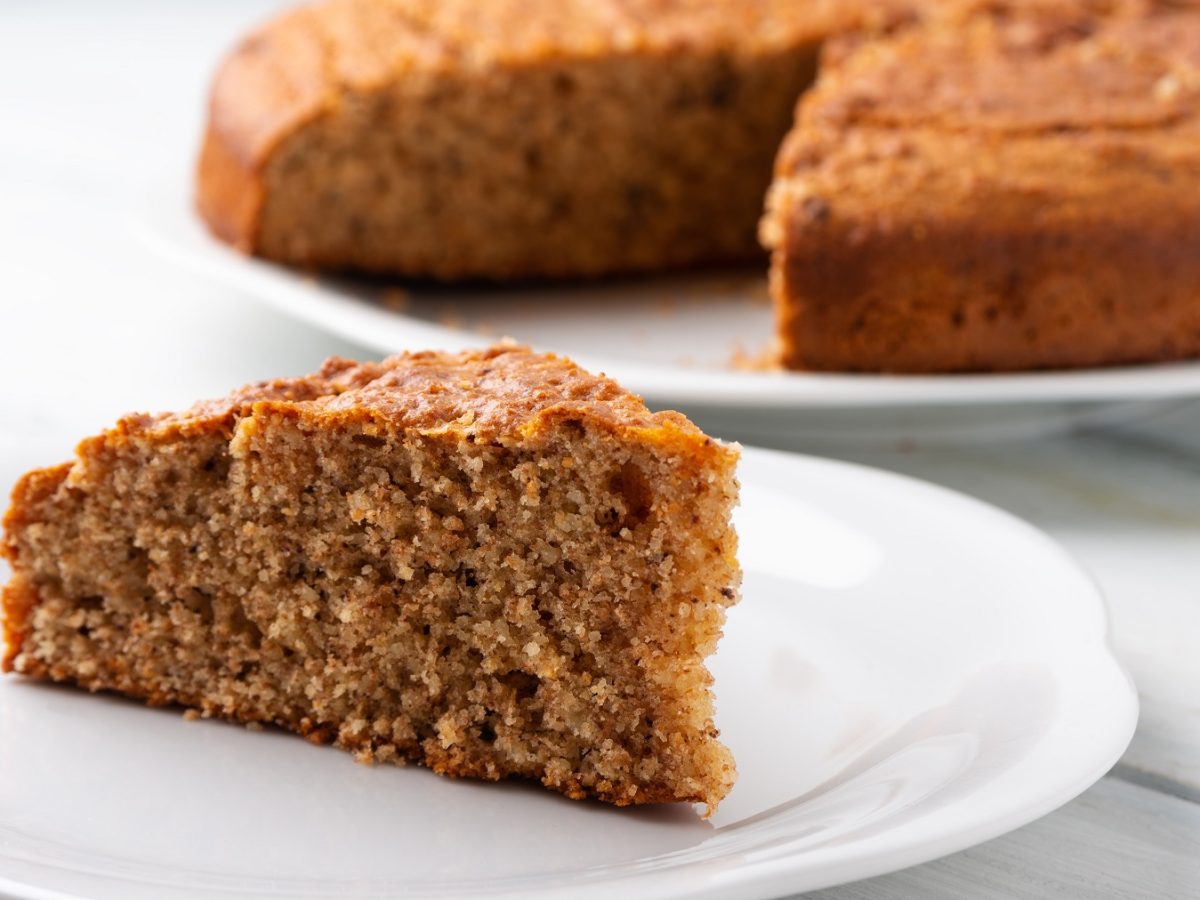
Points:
point(1013, 185)
point(18, 599)
point(492, 563)
point(294, 91)
point(501, 391)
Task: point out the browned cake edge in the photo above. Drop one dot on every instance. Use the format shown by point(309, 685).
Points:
point(18, 598)
point(272, 101)
point(229, 193)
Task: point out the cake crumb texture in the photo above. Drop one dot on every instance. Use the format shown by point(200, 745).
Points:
point(491, 563)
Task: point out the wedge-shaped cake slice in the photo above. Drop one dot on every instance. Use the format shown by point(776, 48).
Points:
point(491, 563)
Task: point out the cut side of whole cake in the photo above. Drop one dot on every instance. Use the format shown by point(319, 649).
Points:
point(511, 139)
point(491, 563)
point(1012, 184)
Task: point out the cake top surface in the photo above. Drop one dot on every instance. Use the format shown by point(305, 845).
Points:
point(408, 33)
point(1023, 66)
point(1072, 107)
point(307, 60)
point(497, 392)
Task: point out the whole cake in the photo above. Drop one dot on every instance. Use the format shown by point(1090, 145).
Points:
point(509, 139)
point(1012, 184)
point(491, 563)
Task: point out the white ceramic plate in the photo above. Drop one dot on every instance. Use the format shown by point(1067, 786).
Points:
point(910, 672)
point(675, 340)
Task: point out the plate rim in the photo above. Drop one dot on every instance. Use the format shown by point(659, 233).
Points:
point(767, 878)
point(1124, 721)
point(174, 232)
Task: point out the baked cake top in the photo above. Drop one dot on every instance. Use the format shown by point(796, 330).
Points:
point(503, 391)
point(997, 105)
point(309, 60)
point(1022, 66)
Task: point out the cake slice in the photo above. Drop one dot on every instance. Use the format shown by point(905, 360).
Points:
point(491, 563)
point(454, 139)
point(1014, 184)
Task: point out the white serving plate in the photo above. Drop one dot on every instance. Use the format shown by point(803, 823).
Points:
point(910, 672)
point(675, 340)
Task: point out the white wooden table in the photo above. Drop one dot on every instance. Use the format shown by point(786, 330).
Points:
point(99, 106)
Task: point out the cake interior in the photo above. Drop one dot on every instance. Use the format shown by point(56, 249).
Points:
point(538, 607)
point(629, 163)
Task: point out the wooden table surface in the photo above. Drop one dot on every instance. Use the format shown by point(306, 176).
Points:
point(101, 107)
